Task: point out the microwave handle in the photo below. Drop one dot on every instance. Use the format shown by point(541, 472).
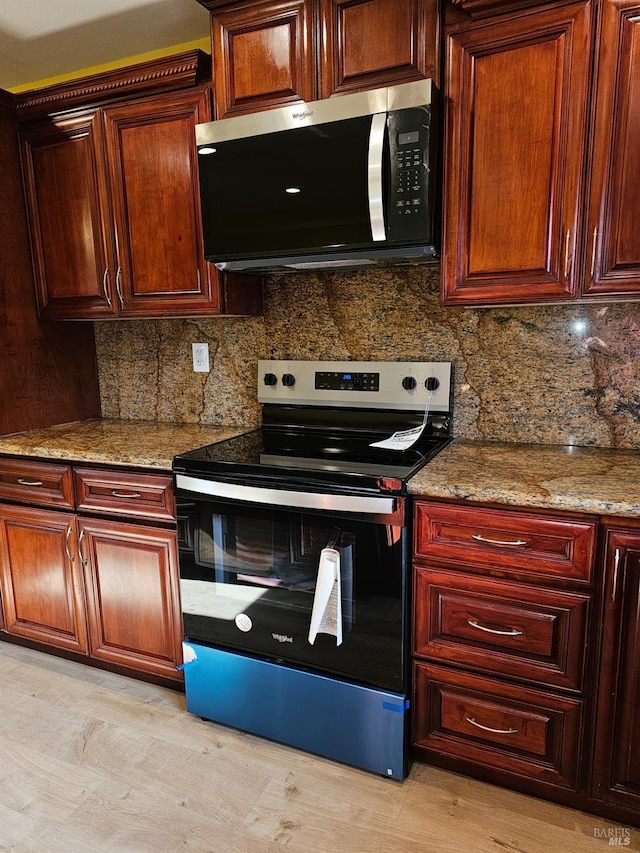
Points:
point(376, 148)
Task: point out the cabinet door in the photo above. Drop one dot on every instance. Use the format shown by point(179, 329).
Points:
point(153, 177)
point(612, 252)
point(263, 55)
point(131, 578)
point(42, 586)
point(517, 94)
point(66, 201)
point(616, 769)
point(369, 43)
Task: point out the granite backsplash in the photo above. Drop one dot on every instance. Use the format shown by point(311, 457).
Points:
point(556, 374)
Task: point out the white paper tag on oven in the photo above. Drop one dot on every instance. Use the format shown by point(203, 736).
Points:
point(400, 440)
point(403, 439)
point(326, 615)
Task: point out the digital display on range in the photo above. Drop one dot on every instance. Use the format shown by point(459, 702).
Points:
point(330, 380)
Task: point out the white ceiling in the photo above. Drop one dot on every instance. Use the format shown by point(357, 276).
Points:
point(46, 38)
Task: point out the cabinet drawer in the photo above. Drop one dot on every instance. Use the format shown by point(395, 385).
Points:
point(484, 722)
point(508, 628)
point(41, 483)
point(123, 493)
point(505, 542)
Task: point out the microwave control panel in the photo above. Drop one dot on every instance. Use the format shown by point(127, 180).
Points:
point(410, 188)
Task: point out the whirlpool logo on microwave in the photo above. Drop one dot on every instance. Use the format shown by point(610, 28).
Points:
point(303, 114)
point(282, 638)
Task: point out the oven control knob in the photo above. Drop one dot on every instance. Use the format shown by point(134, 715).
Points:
point(288, 379)
point(270, 379)
point(409, 383)
point(432, 383)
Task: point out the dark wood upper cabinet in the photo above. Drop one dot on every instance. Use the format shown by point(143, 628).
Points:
point(153, 179)
point(517, 94)
point(369, 43)
point(263, 55)
point(616, 765)
point(277, 52)
point(111, 190)
point(67, 206)
point(612, 237)
point(542, 163)
point(48, 376)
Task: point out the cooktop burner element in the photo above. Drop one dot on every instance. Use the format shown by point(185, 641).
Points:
point(320, 420)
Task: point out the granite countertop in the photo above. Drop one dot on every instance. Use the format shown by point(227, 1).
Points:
point(596, 480)
point(143, 444)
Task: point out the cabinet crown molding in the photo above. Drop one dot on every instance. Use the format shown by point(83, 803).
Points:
point(154, 76)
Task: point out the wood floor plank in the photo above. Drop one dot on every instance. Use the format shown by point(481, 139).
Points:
point(94, 762)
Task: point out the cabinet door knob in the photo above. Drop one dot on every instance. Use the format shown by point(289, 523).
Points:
point(488, 729)
point(512, 544)
point(480, 627)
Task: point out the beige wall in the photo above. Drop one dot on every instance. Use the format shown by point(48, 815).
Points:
point(547, 374)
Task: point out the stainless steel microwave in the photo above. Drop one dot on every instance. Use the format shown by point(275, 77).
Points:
point(346, 182)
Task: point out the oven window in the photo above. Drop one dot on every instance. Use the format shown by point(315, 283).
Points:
point(317, 591)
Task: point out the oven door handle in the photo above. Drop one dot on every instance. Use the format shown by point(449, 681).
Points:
point(285, 497)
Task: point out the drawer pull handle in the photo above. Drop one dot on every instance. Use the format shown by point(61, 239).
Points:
point(493, 731)
point(80, 538)
point(119, 286)
point(566, 254)
point(616, 566)
point(104, 286)
point(66, 544)
point(480, 538)
point(30, 482)
point(116, 494)
point(480, 627)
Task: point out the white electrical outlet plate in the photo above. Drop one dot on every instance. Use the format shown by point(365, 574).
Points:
point(200, 358)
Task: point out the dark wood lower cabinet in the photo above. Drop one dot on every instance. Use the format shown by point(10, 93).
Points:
point(526, 652)
point(41, 579)
point(105, 587)
point(616, 766)
point(133, 608)
point(510, 728)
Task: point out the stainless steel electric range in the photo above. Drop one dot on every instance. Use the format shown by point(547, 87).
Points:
point(294, 557)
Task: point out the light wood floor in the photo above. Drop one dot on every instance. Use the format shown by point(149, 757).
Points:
point(91, 761)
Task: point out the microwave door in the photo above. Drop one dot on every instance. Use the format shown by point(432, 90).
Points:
point(297, 191)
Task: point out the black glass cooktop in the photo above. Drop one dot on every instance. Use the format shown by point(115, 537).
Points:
point(306, 457)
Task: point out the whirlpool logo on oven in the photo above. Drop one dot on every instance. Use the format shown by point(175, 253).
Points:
point(282, 638)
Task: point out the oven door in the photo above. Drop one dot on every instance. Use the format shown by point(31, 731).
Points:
point(318, 581)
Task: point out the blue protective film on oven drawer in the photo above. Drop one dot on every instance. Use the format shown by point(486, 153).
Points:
point(365, 727)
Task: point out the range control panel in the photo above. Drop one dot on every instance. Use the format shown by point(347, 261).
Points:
point(406, 385)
